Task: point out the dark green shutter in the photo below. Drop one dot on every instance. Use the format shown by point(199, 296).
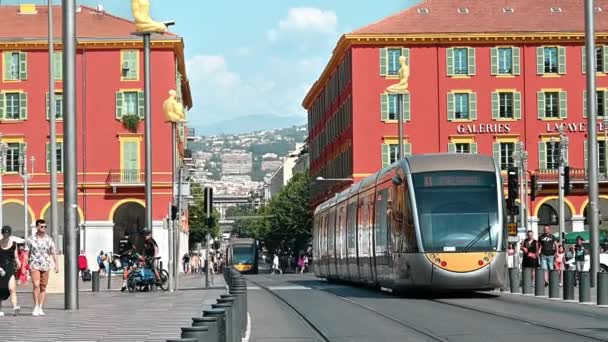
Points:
point(140, 104)
point(23, 65)
point(386, 155)
point(23, 106)
point(496, 153)
point(516, 61)
point(406, 106)
point(58, 65)
point(473, 106)
point(473, 148)
point(451, 106)
point(471, 61)
point(584, 59)
point(541, 104)
point(494, 61)
point(517, 105)
point(2, 106)
point(495, 105)
point(450, 61)
point(561, 60)
point(540, 60)
point(384, 107)
point(451, 148)
point(563, 105)
point(542, 155)
point(119, 104)
point(407, 149)
point(48, 157)
point(585, 104)
point(383, 62)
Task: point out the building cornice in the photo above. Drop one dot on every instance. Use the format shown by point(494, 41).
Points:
point(349, 40)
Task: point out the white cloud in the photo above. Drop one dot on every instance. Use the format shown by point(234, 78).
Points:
point(305, 20)
point(244, 51)
point(212, 69)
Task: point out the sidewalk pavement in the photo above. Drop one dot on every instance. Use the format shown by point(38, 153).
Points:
point(113, 315)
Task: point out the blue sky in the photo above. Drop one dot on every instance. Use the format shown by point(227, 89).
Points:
point(256, 57)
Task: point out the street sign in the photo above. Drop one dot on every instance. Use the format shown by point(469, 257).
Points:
point(513, 239)
point(512, 228)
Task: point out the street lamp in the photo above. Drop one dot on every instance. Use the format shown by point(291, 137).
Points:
point(26, 176)
point(322, 179)
point(3, 152)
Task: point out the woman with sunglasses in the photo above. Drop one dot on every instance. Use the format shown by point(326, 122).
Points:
point(9, 261)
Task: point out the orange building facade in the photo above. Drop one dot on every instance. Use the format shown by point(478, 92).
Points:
point(485, 77)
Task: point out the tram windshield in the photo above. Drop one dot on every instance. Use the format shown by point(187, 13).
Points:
point(242, 254)
point(458, 210)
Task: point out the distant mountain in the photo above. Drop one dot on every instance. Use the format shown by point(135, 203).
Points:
point(250, 123)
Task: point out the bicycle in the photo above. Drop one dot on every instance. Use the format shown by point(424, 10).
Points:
point(143, 276)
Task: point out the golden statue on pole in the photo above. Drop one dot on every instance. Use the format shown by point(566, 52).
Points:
point(404, 74)
point(143, 22)
point(174, 111)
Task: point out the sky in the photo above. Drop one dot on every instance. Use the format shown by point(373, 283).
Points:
point(249, 57)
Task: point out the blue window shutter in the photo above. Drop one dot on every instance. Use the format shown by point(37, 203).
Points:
point(561, 60)
point(540, 97)
point(471, 61)
point(495, 105)
point(406, 106)
point(540, 60)
point(383, 62)
point(473, 106)
point(451, 106)
point(450, 61)
point(494, 60)
point(542, 155)
point(517, 105)
point(516, 61)
point(563, 105)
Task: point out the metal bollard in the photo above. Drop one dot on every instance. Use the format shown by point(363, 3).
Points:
point(514, 280)
point(584, 287)
point(209, 322)
point(554, 284)
point(183, 340)
point(235, 317)
point(527, 281)
point(539, 288)
point(109, 275)
point(242, 294)
point(220, 314)
point(602, 288)
point(95, 281)
point(199, 333)
point(568, 285)
point(229, 323)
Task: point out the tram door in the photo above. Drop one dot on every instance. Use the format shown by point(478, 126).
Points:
point(352, 262)
point(381, 255)
point(331, 243)
point(365, 236)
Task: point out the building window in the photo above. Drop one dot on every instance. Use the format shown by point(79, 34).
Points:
point(129, 64)
point(461, 106)
point(393, 107)
point(15, 66)
point(389, 60)
point(58, 105)
point(505, 105)
point(462, 147)
point(552, 105)
point(129, 103)
point(390, 109)
point(506, 154)
point(461, 61)
point(552, 159)
point(599, 59)
point(130, 163)
point(393, 61)
point(12, 106)
point(505, 60)
point(390, 152)
point(12, 157)
point(600, 98)
point(550, 60)
point(58, 156)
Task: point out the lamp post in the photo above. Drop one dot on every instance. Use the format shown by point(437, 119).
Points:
point(563, 145)
point(53, 132)
point(3, 152)
point(26, 176)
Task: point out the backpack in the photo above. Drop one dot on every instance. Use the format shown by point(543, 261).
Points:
point(86, 275)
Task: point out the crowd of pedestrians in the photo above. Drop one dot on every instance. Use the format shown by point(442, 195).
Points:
point(194, 262)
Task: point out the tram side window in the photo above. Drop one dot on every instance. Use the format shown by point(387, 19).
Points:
point(331, 241)
point(351, 231)
point(340, 244)
point(323, 235)
point(364, 226)
point(402, 220)
point(381, 222)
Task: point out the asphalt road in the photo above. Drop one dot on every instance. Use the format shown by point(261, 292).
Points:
point(348, 313)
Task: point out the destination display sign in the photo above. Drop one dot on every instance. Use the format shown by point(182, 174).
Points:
point(454, 180)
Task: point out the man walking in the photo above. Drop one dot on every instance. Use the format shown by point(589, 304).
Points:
point(41, 248)
point(548, 249)
point(126, 250)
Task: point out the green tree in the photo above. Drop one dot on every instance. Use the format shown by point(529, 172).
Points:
point(197, 218)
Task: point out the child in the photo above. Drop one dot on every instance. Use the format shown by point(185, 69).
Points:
point(25, 267)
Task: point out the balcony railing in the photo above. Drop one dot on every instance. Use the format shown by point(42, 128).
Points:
point(125, 178)
point(577, 175)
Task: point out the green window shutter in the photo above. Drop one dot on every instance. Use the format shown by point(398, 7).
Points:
point(48, 109)
point(495, 106)
point(605, 57)
point(584, 59)
point(473, 106)
point(406, 106)
point(471, 61)
point(406, 52)
point(2, 107)
point(541, 104)
point(494, 60)
point(585, 155)
point(386, 155)
point(131, 159)
point(542, 155)
point(473, 148)
point(451, 106)
point(23, 65)
point(140, 104)
point(561, 60)
point(516, 61)
point(58, 65)
point(48, 157)
point(450, 61)
point(119, 104)
point(584, 103)
point(131, 57)
point(496, 153)
point(540, 60)
point(563, 105)
point(383, 62)
point(451, 148)
point(60, 160)
point(384, 107)
point(605, 103)
point(407, 148)
point(517, 105)
point(7, 65)
point(23, 106)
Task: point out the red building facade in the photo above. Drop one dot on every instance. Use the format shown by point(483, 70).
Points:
point(110, 155)
point(484, 77)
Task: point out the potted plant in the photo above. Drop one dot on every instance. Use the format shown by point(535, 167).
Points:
point(131, 122)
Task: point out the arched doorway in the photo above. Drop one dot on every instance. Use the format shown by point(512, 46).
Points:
point(548, 215)
point(129, 217)
point(12, 214)
point(46, 215)
point(603, 208)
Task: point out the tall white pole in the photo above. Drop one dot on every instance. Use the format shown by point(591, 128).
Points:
point(3, 149)
point(53, 133)
point(147, 131)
